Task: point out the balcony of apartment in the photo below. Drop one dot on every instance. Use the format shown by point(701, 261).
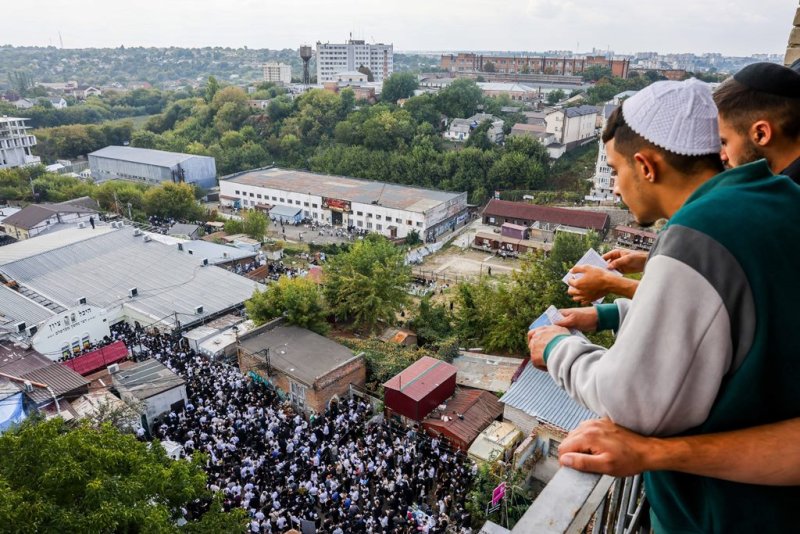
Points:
point(575, 502)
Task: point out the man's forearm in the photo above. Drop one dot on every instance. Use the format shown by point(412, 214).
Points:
point(622, 286)
point(767, 455)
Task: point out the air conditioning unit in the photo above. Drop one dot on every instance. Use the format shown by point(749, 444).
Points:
point(205, 262)
point(81, 225)
point(113, 368)
point(82, 300)
point(147, 239)
point(32, 331)
point(133, 292)
point(21, 327)
point(198, 310)
point(137, 232)
point(180, 246)
point(28, 386)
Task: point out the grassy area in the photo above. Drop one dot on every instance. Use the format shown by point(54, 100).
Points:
point(138, 121)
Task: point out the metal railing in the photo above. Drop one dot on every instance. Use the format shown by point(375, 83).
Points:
point(575, 502)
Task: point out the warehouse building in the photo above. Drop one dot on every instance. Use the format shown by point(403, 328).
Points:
point(152, 167)
point(388, 209)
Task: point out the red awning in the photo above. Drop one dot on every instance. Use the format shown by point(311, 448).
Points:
point(90, 362)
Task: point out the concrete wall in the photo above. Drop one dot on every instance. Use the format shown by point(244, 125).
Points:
point(793, 50)
point(201, 170)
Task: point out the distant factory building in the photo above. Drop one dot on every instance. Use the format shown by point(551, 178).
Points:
point(388, 209)
point(152, 167)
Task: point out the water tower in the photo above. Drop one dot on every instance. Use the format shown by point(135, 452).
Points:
point(305, 55)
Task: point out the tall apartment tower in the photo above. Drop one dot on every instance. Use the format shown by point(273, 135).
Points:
point(16, 143)
point(335, 58)
point(278, 73)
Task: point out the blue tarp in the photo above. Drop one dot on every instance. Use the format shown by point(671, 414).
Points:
point(11, 411)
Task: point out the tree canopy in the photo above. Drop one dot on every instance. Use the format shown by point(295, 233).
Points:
point(398, 85)
point(173, 200)
point(299, 300)
point(57, 478)
point(367, 284)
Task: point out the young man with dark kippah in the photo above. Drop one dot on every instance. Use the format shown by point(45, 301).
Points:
point(759, 117)
point(707, 344)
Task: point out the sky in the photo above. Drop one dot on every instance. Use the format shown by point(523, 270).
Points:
point(730, 27)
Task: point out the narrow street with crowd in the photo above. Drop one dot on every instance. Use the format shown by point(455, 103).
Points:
point(345, 471)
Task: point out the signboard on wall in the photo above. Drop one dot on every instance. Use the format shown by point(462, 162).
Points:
point(335, 204)
point(70, 332)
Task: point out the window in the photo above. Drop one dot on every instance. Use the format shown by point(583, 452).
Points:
point(313, 205)
point(305, 204)
point(237, 191)
point(359, 213)
point(282, 200)
point(306, 214)
point(552, 449)
point(377, 216)
point(297, 202)
point(398, 220)
point(252, 195)
point(410, 222)
point(369, 225)
point(419, 225)
point(360, 223)
point(258, 195)
point(379, 227)
point(274, 198)
point(369, 215)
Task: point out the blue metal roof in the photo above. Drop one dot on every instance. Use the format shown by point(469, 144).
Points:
point(537, 395)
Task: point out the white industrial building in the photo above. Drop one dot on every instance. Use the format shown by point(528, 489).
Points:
point(388, 209)
point(603, 181)
point(278, 73)
point(152, 167)
point(333, 58)
point(16, 143)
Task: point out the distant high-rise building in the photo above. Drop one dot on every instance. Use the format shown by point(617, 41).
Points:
point(335, 58)
point(16, 143)
point(278, 73)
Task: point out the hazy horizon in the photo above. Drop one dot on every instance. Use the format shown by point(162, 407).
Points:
point(624, 26)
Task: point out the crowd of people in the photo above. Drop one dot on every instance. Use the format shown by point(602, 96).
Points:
point(342, 471)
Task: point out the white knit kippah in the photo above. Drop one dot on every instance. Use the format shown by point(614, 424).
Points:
point(677, 116)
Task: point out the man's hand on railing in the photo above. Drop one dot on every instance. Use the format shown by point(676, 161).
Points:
point(600, 446)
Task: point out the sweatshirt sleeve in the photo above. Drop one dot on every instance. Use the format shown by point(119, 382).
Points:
point(671, 353)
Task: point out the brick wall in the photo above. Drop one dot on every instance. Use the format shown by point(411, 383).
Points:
point(793, 50)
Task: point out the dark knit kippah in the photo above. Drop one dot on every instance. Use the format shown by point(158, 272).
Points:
point(770, 78)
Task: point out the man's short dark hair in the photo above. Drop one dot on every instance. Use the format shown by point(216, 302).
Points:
point(742, 106)
point(627, 142)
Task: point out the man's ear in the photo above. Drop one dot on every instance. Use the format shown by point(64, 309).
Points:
point(761, 133)
point(644, 165)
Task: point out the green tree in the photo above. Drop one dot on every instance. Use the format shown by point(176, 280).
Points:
point(412, 238)
point(432, 322)
point(299, 300)
point(255, 224)
point(554, 97)
point(233, 226)
point(399, 85)
point(363, 69)
point(59, 478)
point(460, 99)
point(479, 137)
point(172, 200)
point(594, 73)
point(489, 67)
point(367, 284)
point(212, 86)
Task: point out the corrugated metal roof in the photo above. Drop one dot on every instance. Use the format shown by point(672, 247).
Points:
point(147, 156)
point(478, 409)
point(147, 379)
point(420, 378)
point(43, 243)
point(15, 307)
point(548, 214)
point(105, 268)
point(579, 111)
point(344, 188)
point(60, 378)
point(537, 395)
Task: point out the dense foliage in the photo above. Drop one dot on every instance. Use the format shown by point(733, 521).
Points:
point(58, 478)
point(367, 284)
point(299, 300)
point(384, 360)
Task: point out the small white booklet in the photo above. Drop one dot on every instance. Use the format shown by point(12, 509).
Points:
point(551, 316)
point(592, 257)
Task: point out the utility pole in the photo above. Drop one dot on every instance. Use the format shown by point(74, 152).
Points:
point(129, 211)
point(116, 204)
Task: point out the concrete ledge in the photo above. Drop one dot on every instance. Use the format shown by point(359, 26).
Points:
point(792, 55)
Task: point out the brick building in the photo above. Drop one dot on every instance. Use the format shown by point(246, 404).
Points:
point(499, 212)
point(309, 369)
point(563, 66)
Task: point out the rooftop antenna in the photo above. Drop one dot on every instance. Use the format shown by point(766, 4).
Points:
point(60, 39)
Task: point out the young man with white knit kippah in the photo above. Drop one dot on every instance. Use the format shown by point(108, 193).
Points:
point(707, 343)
